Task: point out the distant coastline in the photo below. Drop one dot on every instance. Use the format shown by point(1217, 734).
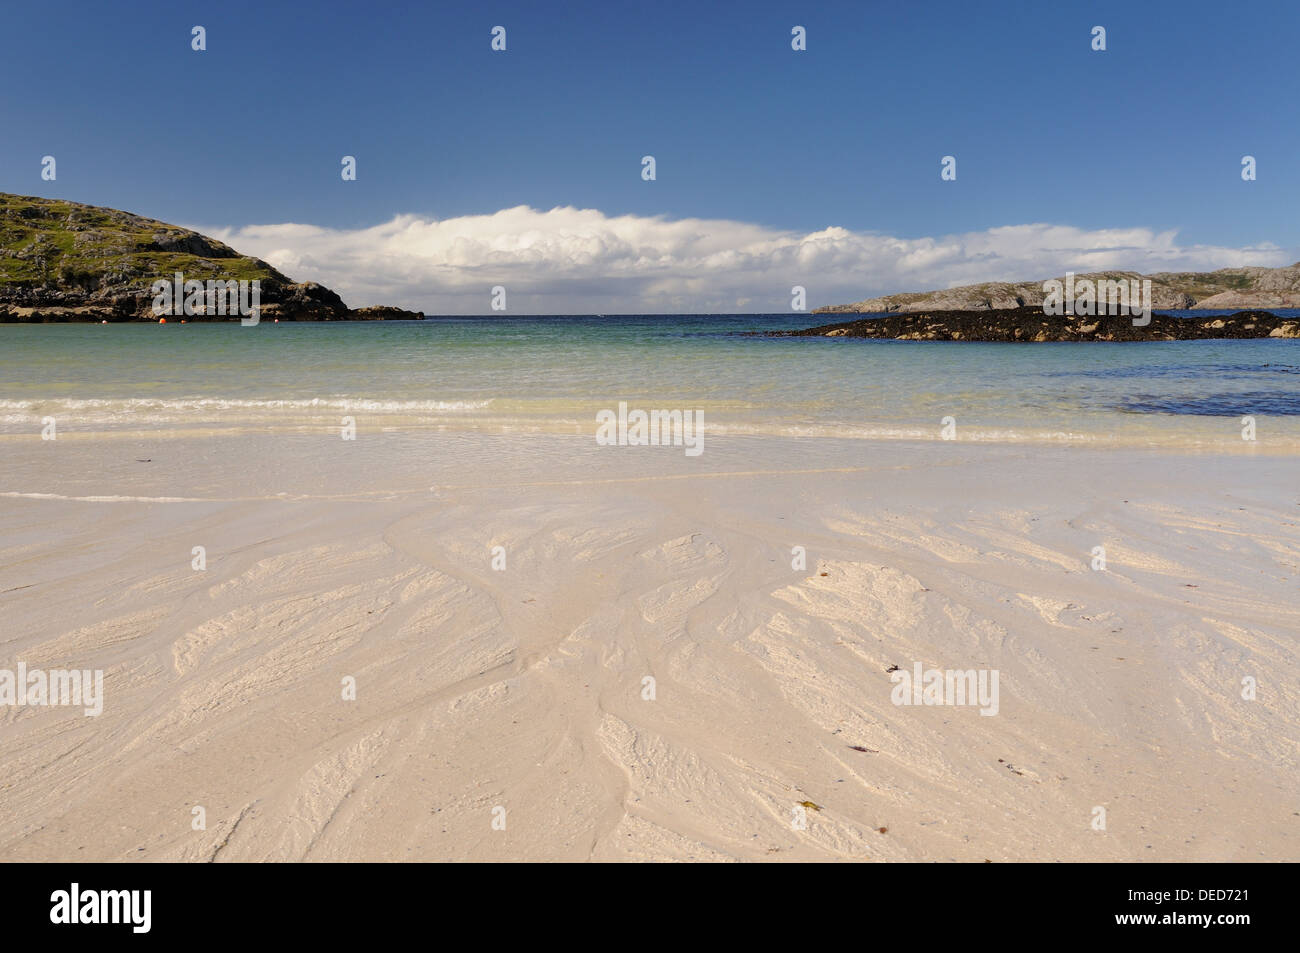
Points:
point(65, 262)
point(1226, 289)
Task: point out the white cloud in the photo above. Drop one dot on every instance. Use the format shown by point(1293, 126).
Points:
point(569, 260)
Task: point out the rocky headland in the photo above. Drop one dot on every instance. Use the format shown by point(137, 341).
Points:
point(62, 261)
point(1245, 288)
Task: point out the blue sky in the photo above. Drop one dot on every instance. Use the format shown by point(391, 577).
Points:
point(1148, 134)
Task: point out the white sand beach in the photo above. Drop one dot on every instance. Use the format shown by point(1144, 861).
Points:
point(626, 434)
point(524, 689)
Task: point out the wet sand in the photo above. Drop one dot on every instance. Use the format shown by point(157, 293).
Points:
point(518, 695)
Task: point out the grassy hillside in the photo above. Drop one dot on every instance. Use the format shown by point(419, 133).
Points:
point(54, 243)
point(63, 261)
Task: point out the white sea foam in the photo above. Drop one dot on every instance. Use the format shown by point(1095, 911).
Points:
point(127, 404)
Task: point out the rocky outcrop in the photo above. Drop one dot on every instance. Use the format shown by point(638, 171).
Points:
point(380, 313)
point(1227, 288)
point(1251, 299)
point(1032, 325)
point(63, 261)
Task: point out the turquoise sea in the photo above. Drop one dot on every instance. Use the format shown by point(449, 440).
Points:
point(553, 374)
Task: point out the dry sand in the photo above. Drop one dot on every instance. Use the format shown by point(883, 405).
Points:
point(523, 688)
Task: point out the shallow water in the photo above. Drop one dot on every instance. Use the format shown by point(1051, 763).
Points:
point(552, 374)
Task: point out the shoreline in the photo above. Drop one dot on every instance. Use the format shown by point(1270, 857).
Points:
point(37, 314)
point(958, 319)
point(1226, 441)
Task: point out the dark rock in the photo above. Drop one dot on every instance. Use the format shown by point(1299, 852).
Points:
point(384, 314)
point(1032, 325)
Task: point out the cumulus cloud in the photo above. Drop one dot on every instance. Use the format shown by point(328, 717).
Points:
point(569, 260)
